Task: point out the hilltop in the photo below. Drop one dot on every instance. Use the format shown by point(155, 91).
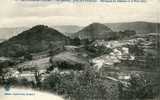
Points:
point(94, 31)
point(34, 40)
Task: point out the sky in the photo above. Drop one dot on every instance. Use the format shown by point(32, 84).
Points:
point(20, 14)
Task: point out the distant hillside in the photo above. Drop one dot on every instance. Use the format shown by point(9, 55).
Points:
point(33, 40)
point(139, 27)
point(94, 31)
point(67, 29)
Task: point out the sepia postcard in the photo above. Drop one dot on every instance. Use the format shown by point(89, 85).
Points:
point(79, 49)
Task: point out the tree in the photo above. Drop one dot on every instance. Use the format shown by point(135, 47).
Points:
point(85, 85)
point(76, 41)
point(55, 48)
point(27, 56)
point(139, 88)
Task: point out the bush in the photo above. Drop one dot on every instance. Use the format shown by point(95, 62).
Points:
point(75, 41)
point(98, 50)
point(86, 85)
point(139, 89)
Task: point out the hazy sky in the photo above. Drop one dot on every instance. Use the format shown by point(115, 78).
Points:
point(15, 14)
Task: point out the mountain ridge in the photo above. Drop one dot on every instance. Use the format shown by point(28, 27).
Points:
point(138, 26)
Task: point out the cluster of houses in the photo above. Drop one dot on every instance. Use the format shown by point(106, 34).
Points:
point(119, 53)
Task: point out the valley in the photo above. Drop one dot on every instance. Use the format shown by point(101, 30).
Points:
point(95, 62)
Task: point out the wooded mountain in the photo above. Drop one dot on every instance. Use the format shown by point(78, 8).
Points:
point(94, 31)
point(34, 40)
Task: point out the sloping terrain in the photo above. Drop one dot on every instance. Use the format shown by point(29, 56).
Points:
point(39, 63)
point(33, 40)
point(94, 31)
point(69, 60)
point(101, 68)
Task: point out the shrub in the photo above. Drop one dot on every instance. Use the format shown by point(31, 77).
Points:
point(86, 85)
point(139, 89)
point(98, 50)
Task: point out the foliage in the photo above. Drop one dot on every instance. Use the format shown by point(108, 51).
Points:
point(126, 33)
point(85, 85)
point(27, 56)
point(75, 41)
point(98, 50)
point(34, 40)
point(138, 89)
